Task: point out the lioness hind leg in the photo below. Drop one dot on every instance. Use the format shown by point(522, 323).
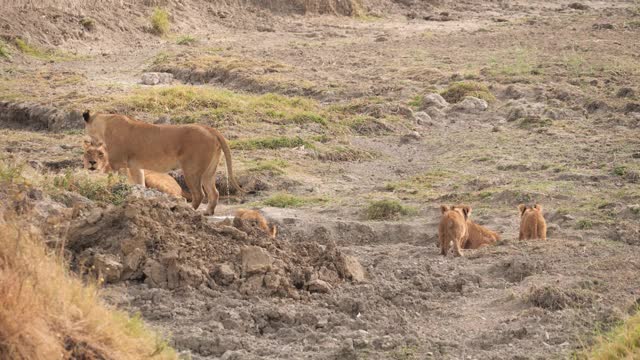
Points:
point(209, 182)
point(456, 247)
point(195, 187)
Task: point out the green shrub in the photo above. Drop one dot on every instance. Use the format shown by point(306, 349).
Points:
point(160, 21)
point(387, 210)
point(456, 92)
point(284, 200)
point(269, 143)
point(112, 189)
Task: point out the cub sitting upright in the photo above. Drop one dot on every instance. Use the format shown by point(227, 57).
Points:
point(453, 227)
point(532, 223)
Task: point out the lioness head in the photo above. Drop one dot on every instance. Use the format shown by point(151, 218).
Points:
point(463, 210)
point(95, 156)
point(526, 208)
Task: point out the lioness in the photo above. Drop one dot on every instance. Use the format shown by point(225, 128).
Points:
point(257, 218)
point(137, 145)
point(453, 227)
point(479, 236)
point(532, 223)
point(96, 158)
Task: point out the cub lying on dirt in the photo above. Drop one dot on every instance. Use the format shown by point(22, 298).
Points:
point(532, 223)
point(254, 216)
point(453, 228)
point(479, 236)
point(95, 158)
point(137, 145)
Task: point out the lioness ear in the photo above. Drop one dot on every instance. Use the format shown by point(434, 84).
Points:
point(86, 143)
point(444, 208)
point(538, 207)
point(86, 115)
point(522, 208)
point(466, 210)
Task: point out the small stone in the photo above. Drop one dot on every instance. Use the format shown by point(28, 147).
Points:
point(255, 260)
point(155, 78)
point(318, 286)
point(352, 269)
point(107, 267)
point(434, 100)
point(422, 118)
point(223, 274)
point(471, 104)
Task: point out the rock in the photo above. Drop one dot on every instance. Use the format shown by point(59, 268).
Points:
point(156, 274)
point(631, 107)
point(603, 26)
point(435, 112)
point(513, 92)
point(578, 6)
point(597, 105)
point(318, 286)
point(132, 262)
point(351, 268)
point(107, 267)
point(223, 274)
point(625, 92)
point(471, 104)
point(255, 260)
point(422, 118)
point(155, 78)
point(434, 100)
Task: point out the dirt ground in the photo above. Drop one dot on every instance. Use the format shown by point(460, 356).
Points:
point(561, 128)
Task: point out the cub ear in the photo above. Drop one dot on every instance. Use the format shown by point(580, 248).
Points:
point(86, 115)
point(538, 207)
point(522, 208)
point(274, 231)
point(444, 208)
point(466, 210)
point(86, 143)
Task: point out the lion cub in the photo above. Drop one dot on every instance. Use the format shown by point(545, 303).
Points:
point(253, 216)
point(532, 223)
point(453, 227)
point(95, 158)
point(479, 236)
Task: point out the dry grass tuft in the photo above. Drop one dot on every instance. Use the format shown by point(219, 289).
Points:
point(46, 312)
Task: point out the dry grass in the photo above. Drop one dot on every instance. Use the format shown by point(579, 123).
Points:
point(622, 342)
point(46, 312)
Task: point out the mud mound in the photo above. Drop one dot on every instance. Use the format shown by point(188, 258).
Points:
point(554, 298)
point(162, 242)
point(37, 117)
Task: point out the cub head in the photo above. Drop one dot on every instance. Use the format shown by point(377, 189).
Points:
point(523, 209)
point(463, 210)
point(95, 156)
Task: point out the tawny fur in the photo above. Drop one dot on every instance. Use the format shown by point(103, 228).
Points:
point(453, 228)
point(479, 236)
point(532, 223)
point(256, 217)
point(137, 145)
point(96, 158)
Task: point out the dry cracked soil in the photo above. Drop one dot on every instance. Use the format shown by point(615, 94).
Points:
point(331, 106)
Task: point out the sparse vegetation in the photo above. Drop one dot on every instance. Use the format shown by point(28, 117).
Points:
point(4, 50)
point(36, 52)
point(111, 189)
point(201, 104)
point(186, 40)
point(387, 209)
point(620, 170)
point(584, 224)
point(275, 166)
point(456, 92)
point(88, 23)
point(269, 143)
point(285, 200)
point(45, 310)
point(623, 342)
point(160, 21)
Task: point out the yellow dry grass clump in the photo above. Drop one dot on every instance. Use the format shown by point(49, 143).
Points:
point(47, 313)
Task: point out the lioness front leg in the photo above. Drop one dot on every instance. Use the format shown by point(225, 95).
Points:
point(136, 176)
